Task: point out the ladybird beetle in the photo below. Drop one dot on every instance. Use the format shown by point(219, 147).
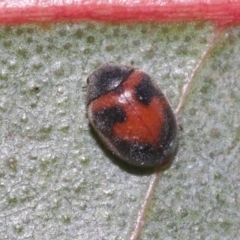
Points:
point(131, 115)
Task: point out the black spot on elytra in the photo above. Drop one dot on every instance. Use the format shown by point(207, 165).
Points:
point(105, 79)
point(168, 133)
point(145, 91)
point(147, 155)
point(105, 119)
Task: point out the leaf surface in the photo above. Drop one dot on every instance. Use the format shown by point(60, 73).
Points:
point(59, 182)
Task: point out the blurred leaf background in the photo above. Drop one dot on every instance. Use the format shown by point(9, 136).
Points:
point(57, 181)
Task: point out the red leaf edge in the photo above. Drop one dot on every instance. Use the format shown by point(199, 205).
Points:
point(218, 11)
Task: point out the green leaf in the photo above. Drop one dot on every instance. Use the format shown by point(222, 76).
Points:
point(57, 181)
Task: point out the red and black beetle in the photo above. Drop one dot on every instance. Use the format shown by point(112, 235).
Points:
point(131, 115)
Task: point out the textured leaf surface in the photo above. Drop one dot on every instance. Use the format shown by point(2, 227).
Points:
point(56, 179)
